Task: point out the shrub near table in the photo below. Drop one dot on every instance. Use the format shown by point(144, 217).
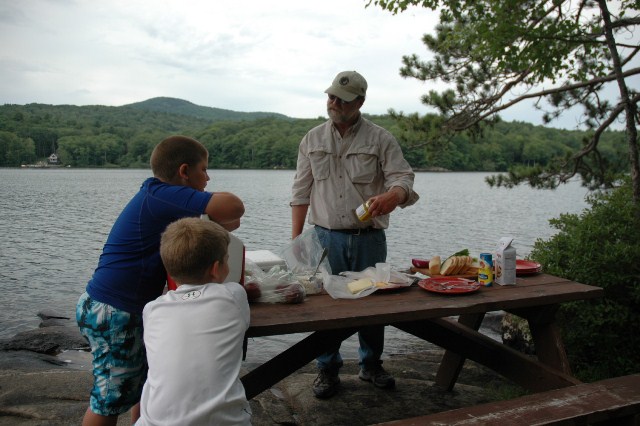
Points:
point(600, 247)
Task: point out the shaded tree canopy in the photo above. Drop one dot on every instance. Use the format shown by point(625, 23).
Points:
point(493, 54)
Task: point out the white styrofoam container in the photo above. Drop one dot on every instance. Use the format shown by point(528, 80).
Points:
point(265, 259)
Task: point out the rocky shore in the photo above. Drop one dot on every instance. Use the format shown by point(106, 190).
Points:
point(45, 379)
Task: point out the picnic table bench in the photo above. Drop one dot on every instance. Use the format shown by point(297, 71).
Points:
point(613, 401)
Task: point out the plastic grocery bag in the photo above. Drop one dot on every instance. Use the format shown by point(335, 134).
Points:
point(273, 286)
point(302, 256)
point(338, 285)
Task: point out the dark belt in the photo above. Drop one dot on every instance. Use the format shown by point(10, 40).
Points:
point(356, 231)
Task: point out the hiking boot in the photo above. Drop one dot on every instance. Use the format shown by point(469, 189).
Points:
point(378, 376)
point(326, 384)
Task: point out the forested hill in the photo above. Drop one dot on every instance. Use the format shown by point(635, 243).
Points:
point(182, 107)
point(102, 136)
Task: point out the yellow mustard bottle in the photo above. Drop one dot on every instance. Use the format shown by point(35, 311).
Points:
point(363, 211)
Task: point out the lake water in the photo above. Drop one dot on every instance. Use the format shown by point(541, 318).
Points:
point(53, 223)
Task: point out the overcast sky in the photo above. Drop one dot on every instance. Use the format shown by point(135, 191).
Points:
point(242, 55)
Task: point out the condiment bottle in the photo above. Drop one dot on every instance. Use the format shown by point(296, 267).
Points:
point(485, 271)
point(363, 211)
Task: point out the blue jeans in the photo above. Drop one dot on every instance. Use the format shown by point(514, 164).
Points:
point(351, 252)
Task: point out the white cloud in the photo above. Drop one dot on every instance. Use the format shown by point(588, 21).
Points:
point(243, 55)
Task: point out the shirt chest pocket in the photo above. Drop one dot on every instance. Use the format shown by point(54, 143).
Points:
point(320, 164)
point(363, 167)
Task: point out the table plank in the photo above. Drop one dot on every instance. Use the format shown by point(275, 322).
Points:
point(321, 312)
point(614, 401)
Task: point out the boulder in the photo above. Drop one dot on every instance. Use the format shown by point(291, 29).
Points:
point(47, 340)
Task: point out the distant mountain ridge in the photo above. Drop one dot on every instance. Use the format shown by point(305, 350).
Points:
point(182, 107)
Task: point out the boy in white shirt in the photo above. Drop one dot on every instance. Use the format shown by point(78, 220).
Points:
point(194, 335)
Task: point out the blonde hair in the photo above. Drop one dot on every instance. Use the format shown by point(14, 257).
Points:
point(190, 246)
point(172, 152)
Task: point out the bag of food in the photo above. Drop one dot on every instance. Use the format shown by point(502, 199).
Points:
point(302, 257)
point(354, 285)
point(273, 286)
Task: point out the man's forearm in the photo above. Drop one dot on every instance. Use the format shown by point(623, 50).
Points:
point(400, 193)
point(298, 216)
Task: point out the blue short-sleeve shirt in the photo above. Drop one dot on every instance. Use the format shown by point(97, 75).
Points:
point(130, 272)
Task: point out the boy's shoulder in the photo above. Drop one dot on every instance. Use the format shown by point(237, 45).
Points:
point(155, 186)
point(157, 182)
point(188, 292)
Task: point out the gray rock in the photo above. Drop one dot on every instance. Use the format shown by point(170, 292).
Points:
point(47, 314)
point(58, 395)
point(47, 340)
point(45, 381)
point(51, 322)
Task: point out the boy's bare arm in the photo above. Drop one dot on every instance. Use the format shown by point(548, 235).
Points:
point(226, 209)
point(232, 225)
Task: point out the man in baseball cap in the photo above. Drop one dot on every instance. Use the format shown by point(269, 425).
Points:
point(348, 85)
point(344, 162)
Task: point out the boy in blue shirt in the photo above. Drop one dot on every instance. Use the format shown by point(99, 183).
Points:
point(130, 272)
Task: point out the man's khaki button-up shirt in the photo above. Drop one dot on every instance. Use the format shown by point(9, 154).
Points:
point(335, 174)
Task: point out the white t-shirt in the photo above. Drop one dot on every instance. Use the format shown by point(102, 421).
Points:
point(193, 337)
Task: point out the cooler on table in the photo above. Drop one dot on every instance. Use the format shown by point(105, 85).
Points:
point(265, 259)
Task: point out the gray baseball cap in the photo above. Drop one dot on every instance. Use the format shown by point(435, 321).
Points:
point(348, 85)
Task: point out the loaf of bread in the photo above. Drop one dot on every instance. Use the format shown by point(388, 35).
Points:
point(434, 265)
point(456, 265)
point(465, 266)
point(449, 266)
point(359, 285)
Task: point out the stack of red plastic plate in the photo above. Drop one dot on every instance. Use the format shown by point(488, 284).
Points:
point(527, 267)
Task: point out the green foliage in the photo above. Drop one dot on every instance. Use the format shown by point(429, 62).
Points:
point(260, 144)
point(88, 135)
point(488, 55)
point(14, 150)
point(600, 247)
point(98, 136)
point(516, 145)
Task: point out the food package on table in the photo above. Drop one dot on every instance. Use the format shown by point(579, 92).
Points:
point(354, 285)
point(302, 256)
point(276, 285)
point(460, 263)
point(504, 260)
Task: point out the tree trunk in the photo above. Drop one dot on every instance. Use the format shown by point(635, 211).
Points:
point(631, 109)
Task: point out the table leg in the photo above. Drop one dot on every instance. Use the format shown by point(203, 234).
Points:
point(452, 363)
point(522, 369)
point(297, 356)
point(546, 336)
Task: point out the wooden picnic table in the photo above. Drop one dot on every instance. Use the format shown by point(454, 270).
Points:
point(449, 321)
